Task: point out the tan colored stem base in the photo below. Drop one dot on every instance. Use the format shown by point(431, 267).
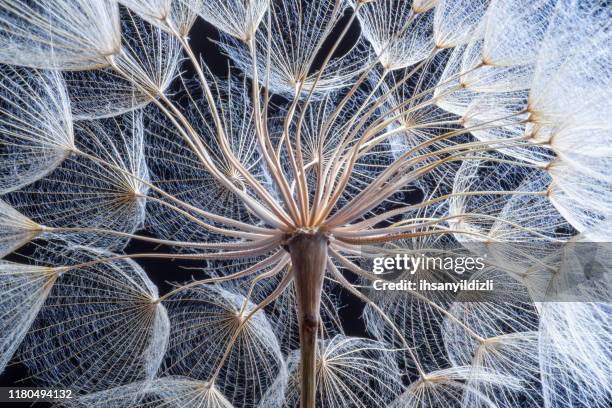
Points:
point(308, 251)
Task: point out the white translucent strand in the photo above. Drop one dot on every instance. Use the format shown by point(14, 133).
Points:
point(237, 18)
point(495, 116)
point(177, 170)
point(87, 193)
point(446, 387)
point(527, 230)
point(483, 75)
point(564, 270)
point(567, 100)
point(59, 34)
point(418, 319)
point(514, 355)
point(528, 217)
point(456, 20)
point(515, 29)
point(575, 354)
point(400, 36)
point(151, 59)
point(507, 322)
point(322, 141)
point(418, 316)
point(287, 47)
point(350, 371)
point(571, 69)
point(36, 131)
point(179, 14)
point(143, 69)
point(204, 319)
point(16, 229)
point(421, 121)
point(451, 94)
point(476, 212)
point(573, 146)
point(468, 76)
point(101, 326)
point(164, 392)
point(582, 198)
point(24, 289)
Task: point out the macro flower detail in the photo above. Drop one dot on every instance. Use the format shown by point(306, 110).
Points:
point(335, 203)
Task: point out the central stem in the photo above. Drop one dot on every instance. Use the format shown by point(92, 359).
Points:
point(308, 251)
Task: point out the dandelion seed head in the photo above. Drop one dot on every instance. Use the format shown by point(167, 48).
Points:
point(340, 134)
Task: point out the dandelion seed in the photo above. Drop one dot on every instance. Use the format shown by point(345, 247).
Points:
point(205, 320)
point(176, 15)
point(62, 34)
point(36, 128)
point(15, 229)
point(139, 72)
point(162, 392)
point(350, 372)
point(124, 343)
point(25, 289)
point(100, 185)
point(285, 49)
point(235, 17)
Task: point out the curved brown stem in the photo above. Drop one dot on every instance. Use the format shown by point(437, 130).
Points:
point(308, 251)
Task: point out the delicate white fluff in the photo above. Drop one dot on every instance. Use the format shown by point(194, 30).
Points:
point(142, 70)
point(566, 104)
point(494, 116)
point(351, 372)
point(515, 29)
point(445, 388)
point(304, 26)
point(36, 132)
point(174, 15)
point(452, 94)
point(420, 122)
point(24, 289)
point(237, 18)
point(582, 198)
point(126, 340)
point(481, 74)
point(62, 34)
point(400, 36)
point(205, 343)
point(103, 185)
point(496, 332)
point(574, 146)
point(456, 20)
point(572, 69)
point(177, 170)
point(473, 214)
point(16, 229)
point(415, 321)
point(575, 347)
point(164, 392)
